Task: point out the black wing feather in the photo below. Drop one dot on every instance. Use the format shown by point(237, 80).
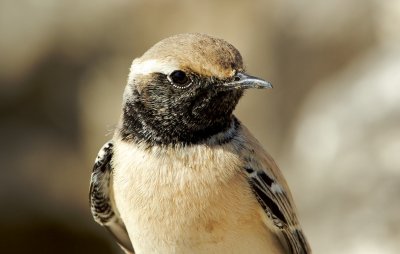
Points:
point(278, 208)
point(101, 205)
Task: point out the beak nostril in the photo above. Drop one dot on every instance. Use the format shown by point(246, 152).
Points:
point(237, 78)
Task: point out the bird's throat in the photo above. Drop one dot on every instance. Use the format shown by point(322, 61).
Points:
point(139, 126)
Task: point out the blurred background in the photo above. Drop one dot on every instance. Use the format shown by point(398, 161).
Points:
point(332, 121)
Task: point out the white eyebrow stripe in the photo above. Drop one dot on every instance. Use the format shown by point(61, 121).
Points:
point(151, 66)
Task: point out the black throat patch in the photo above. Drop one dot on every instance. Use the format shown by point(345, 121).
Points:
point(135, 129)
point(162, 114)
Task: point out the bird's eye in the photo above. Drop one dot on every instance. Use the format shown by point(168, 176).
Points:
point(179, 78)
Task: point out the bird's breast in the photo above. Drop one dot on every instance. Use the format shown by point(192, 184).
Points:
point(173, 200)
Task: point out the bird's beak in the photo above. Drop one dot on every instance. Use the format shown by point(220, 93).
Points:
point(244, 81)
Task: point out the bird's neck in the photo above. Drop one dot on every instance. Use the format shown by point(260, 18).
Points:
point(136, 126)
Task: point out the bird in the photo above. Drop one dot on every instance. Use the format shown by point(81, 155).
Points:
point(182, 174)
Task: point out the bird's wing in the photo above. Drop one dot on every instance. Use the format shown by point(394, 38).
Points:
point(101, 198)
point(272, 192)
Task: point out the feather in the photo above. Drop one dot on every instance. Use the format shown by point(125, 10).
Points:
point(101, 199)
point(272, 193)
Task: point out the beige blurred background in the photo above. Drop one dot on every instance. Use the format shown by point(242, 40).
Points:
point(332, 121)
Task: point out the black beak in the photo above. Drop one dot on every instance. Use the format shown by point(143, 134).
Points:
point(245, 81)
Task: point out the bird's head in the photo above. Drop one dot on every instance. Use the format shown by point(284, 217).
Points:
point(183, 90)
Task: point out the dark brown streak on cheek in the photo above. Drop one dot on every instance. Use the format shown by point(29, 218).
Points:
point(141, 82)
point(144, 86)
point(214, 104)
point(157, 92)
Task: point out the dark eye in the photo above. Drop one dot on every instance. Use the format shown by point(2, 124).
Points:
point(178, 78)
